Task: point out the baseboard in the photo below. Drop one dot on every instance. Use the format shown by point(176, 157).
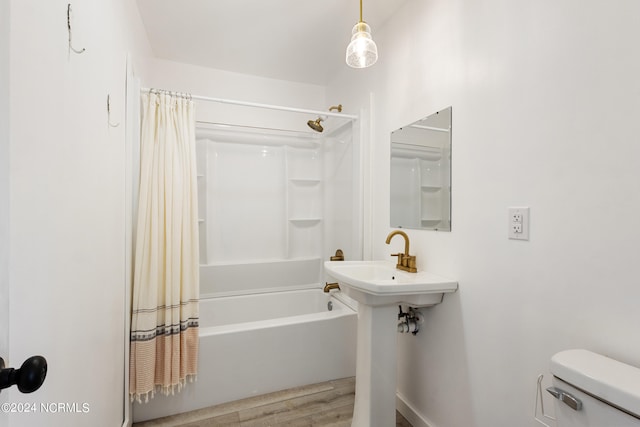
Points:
point(411, 414)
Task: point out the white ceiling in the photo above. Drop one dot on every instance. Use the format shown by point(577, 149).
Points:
point(296, 40)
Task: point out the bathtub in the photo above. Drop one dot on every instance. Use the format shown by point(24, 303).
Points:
point(253, 344)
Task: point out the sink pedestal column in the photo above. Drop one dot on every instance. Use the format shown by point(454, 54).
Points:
point(375, 402)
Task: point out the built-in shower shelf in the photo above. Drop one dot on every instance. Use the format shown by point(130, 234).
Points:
point(200, 221)
point(430, 188)
point(304, 181)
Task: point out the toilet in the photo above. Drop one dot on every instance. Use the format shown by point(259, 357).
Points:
point(592, 390)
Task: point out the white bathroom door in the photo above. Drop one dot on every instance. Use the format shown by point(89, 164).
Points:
point(4, 190)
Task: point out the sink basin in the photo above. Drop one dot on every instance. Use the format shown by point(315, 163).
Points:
point(377, 283)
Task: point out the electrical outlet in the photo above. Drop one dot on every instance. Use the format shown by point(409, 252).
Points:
point(519, 223)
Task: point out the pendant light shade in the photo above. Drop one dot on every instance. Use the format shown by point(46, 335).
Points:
point(362, 52)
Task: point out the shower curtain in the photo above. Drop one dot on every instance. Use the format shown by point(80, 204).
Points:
point(164, 321)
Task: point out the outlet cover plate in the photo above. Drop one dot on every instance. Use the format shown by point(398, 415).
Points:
point(518, 222)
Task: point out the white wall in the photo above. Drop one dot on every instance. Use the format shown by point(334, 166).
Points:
point(176, 76)
point(67, 208)
point(545, 114)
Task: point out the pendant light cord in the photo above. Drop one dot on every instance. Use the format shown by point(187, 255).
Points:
point(361, 11)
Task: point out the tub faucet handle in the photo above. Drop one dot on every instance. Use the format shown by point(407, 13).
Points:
point(339, 256)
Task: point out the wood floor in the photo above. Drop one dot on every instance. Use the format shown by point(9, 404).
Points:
point(324, 404)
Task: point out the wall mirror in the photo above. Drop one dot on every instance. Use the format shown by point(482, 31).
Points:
point(420, 195)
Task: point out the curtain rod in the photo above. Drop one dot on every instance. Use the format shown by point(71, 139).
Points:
point(267, 106)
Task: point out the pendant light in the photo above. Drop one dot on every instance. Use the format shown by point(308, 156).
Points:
point(362, 52)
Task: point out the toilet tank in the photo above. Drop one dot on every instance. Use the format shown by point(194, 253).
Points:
point(592, 390)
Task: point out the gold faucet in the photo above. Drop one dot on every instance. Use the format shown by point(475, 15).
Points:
point(329, 286)
point(406, 262)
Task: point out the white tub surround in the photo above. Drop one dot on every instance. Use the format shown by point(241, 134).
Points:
point(269, 195)
point(219, 280)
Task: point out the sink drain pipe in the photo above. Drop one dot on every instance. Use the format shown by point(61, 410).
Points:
point(409, 321)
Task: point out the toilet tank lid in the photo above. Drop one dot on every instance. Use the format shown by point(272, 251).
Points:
point(614, 382)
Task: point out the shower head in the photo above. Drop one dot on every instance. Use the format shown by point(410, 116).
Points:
point(315, 124)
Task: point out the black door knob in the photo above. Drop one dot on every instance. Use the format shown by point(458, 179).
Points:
point(28, 378)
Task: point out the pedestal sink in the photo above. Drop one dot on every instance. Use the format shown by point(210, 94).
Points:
point(379, 288)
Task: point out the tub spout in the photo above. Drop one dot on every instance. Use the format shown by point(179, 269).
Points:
point(329, 286)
